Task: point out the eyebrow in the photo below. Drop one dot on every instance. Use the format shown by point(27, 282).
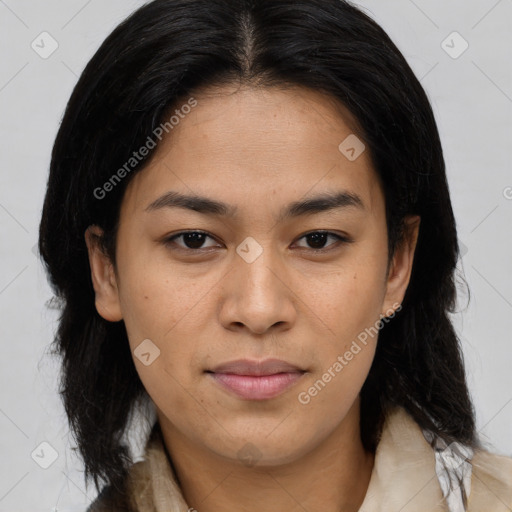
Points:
point(321, 203)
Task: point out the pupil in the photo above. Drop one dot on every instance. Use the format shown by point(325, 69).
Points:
point(194, 240)
point(317, 240)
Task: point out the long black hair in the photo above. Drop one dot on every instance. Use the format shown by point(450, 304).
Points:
point(167, 51)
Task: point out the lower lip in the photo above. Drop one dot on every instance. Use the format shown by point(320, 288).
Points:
point(257, 387)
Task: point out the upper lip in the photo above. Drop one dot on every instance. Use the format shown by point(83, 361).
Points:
point(259, 368)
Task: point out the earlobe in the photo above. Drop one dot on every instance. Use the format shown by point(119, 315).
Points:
point(103, 277)
point(401, 267)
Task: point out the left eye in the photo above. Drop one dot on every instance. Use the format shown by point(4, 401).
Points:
point(194, 240)
point(318, 239)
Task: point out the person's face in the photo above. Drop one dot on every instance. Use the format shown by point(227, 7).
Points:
point(266, 281)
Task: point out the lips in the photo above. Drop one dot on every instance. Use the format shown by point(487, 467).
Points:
point(256, 380)
point(247, 367)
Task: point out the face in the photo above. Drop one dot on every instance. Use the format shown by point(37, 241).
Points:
point(247, 303)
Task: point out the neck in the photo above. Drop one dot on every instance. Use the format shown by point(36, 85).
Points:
point(332, 477)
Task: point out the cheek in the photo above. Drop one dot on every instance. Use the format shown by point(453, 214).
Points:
point(168, 308)
point(350, 305)
point(349, 300)
point(347, 353)
point(156, 298)
point(159, 310)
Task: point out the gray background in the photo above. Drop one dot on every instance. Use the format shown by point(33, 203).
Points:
point(472, 99)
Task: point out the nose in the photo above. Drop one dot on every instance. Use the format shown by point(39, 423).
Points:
point(258, 295)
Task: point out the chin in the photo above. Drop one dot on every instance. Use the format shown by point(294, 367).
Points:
point(265, 448)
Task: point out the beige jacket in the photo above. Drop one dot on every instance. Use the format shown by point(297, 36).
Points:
point(403, 479)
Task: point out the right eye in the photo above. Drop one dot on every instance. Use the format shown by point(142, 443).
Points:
point(192, 241)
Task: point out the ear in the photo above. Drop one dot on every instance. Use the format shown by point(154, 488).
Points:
point(401, 266)
point(103, 277)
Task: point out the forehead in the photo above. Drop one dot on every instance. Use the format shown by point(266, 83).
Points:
point(258, 146)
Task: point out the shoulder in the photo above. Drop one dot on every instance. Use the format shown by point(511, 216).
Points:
point(491, 482)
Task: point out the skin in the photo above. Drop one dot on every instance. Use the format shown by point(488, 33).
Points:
point(258, 150)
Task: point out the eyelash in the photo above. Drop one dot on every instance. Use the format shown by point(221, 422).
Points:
point(341, 240)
